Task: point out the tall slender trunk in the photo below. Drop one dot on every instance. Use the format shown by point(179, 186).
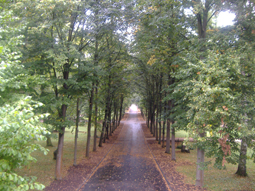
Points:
point(168, 120)
point(90, 120)
point(164, 124)
point(62, 115)
point(103, 126)
point(173, 128)
point(60, 145)
point(157, 108)
point(156, 126)
point(163, 134)
point(95, 126)
point(121, 105)
point(117, 116)
point(202, 21)
point(76, 131)
point(173, 144)
point(114, 116)
point(168, 137)
point(97, 83)
point(149, 116)
point(241, 171)
point(108, 127)
point(160, 108)
point(200, 162)
point(153, 122)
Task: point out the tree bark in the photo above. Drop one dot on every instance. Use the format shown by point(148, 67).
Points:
point(202, 20)
point(76, 131)
point(90, 120)
point(160, 108)
point(163, 134)
point(164, 124)
point(200, 164)
point(241, 170)
point(95, 126)
point(103, 127)
point(121, 105)
point(168, 137)
point(156, 126)
point(62, 115)
point(108, 127)
point(96, 88)
point(48, 141)
point(173, 144)
point(60, 145)
point(168, 120)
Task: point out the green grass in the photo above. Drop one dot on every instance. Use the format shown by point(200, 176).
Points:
point(215, 179)
point(44, 168)
point(181, 134)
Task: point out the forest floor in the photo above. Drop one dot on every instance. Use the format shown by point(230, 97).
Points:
point(130, 160)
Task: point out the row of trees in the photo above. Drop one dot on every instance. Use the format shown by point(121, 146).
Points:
point(63, 55)
point(198, 77)
point(190, 75)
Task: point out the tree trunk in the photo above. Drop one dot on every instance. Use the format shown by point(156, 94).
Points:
point(76, 131)
point(115, 117)
point(168, 120)
point(48, 141)
point(168, 137)
point(164, 124)
point(173, 144)
point(96, 88)
point(90, 120)
point(149, 117)
point(200, 164)
point(95, 126)
point(121, 105)
point(103, 126)
point(163, 135)
point(156, 126)
point(108, 127)
point(60, 145)
point(62, 115)
point(160, 108)
point(202, 20)
point(241, 171)
point(152, 123)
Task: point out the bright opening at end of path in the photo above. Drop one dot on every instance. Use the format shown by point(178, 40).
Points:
point(133, 108)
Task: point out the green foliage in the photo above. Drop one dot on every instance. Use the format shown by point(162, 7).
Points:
point(19, 129)
point(212, 92)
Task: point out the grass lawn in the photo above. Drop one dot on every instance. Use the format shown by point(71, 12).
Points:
point(181, 134)
point(44, 168)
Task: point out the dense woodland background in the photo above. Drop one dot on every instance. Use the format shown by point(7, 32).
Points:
point(65, 62)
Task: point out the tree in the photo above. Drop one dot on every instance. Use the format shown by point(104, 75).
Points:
point(19, 131)
point(54, 48)
point(20, 126)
